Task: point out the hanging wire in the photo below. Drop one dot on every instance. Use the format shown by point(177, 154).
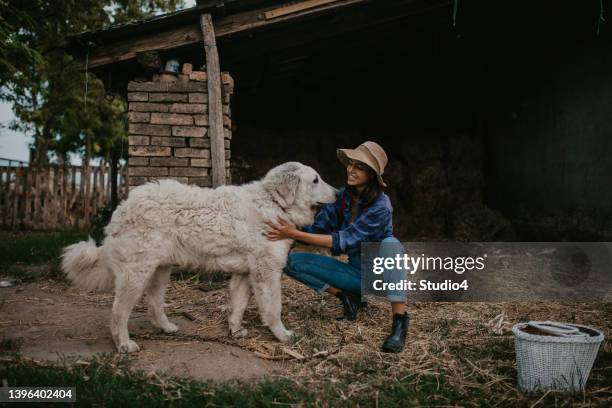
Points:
point(455, 6)
point(601, 16)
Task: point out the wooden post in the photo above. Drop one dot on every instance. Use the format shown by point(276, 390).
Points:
point(101, 185)
point(73, 197)
point(65, 198)
point(14, 222)
point(45, 205)
point(27, 219)
point(59, 194)
point(103, 179)
point(215, 102)
point(37, 196)
point(50, 203)
point(86, 181)
point(7, 188)
point(94, 190)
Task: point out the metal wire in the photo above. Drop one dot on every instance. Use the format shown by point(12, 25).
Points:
point(601, 16)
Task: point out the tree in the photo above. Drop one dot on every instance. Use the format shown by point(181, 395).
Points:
point(64, 109)
point(44, 84)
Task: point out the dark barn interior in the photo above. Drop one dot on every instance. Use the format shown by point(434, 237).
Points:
point(497, 127)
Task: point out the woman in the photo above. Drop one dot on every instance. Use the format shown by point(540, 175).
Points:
point(361, 213)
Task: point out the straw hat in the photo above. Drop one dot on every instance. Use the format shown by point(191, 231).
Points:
point(370, 154)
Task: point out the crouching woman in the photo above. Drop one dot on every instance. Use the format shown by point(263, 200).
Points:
point(362, 213)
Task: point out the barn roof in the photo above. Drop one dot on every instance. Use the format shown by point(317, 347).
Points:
point(117, 32)
point(245, 30)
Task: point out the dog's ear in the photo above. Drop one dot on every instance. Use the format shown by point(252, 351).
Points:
point(284, 188)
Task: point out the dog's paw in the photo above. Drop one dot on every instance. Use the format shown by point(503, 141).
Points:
point(170, 328)
point(241, 332)
point(286, 336)
point(129, 347)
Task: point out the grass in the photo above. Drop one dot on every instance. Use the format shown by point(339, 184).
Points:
point(107, 382)
point(23, 252)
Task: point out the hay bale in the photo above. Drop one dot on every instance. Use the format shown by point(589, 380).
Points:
point(430, 176)
point(477, 222)
point(421, 225)
point(421, 150)
point(464, 149)
point(465, 177)
point(397, 175)
point(432, 201)
point(462, 196)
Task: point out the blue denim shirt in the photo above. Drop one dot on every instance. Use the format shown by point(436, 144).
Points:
point(372, 223)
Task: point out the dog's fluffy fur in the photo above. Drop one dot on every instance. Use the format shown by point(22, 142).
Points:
point(167, 223)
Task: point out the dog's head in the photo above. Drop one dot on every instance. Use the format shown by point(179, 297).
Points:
point(299, 190)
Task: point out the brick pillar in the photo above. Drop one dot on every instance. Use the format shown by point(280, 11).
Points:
point(168, 130)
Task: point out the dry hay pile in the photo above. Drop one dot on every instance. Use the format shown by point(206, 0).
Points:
point(436, 185)
point(467, 346)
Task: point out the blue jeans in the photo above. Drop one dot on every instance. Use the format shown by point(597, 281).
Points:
point(320, 272)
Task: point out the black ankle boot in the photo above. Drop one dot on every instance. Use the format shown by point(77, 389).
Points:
point(396, 340)
point(350, 303)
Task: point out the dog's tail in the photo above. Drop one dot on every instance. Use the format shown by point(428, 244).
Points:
point(82, 264)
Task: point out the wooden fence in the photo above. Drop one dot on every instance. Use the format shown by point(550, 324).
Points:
point(55, 197)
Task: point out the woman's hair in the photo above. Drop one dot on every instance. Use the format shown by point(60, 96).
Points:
point(370, 191)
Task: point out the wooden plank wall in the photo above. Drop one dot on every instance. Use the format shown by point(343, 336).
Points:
point(54, 197)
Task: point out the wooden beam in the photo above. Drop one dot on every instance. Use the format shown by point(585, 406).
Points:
point(294, 8)
point(129, 48)
point(191, 34)
point(215, 102)
point(252, 20)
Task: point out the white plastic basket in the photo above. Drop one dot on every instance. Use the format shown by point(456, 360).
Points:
point(552, 355)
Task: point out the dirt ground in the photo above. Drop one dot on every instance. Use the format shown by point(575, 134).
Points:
point(470, 345)
point(54, 322)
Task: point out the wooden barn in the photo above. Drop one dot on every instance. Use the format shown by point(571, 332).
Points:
point(496, 115)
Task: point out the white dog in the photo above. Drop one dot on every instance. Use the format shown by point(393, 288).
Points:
point(167, 223)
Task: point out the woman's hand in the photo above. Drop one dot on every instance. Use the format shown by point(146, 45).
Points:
point(280, 230)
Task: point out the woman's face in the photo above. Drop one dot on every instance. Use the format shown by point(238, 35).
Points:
point(357, 174)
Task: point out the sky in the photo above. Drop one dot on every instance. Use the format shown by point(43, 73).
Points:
point(14, 145)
